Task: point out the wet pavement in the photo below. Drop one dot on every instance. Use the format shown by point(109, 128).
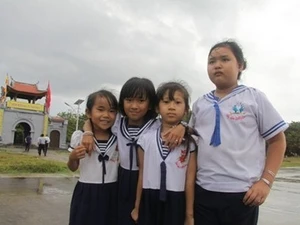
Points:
point(34, 201)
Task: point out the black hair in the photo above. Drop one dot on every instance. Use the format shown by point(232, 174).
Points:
point(112, 101)
point(171, 88)
point(137, 87)
point(236, 50)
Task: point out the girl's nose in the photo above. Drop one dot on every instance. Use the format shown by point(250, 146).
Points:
point(217, 64)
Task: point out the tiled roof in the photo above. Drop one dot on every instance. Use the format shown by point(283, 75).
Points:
point(26, 88)
point(57, 119)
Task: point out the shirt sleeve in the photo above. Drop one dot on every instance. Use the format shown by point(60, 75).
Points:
point(270, 123)
point(193, 145)
point(141, 141)
point(114, 128)
point(75, 140)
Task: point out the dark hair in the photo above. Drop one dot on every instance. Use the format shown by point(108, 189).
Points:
point(112, 101)
point(236, 50)
point(137, 87)
point(171, 88)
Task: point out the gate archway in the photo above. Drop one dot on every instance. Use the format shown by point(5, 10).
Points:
point(21, 131)
point(54, 139)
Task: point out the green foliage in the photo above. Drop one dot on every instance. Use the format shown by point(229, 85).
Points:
point(291, 162)
point(293, 139)
point(71, 117)
point(11, 163)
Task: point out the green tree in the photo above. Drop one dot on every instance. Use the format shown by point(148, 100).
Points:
point(72, 118)
point(293, 139)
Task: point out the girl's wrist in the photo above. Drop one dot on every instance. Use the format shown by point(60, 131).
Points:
point(267, 182)
point(88, 133)
point(189, 214)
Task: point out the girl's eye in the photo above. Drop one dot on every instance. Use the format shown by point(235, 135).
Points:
point(211, 61)
point(166, 101)
point(142, 100)
point(178, 102)
point(225, 59)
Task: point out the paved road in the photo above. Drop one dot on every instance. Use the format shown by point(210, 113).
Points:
point(35, 201)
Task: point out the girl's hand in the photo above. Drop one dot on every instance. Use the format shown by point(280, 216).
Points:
point(78, 153)
point(257, 194)
point(88, 142)
point(174, 136)
point(135, 215)
point(189, 220)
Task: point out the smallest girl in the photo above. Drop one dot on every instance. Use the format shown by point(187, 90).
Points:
point(165, 190)
point(95, 196)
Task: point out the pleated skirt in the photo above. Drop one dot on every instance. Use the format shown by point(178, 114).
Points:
point(155, 212)
point(127, 181)
point(94, 204)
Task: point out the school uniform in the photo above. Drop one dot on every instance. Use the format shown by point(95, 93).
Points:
point(232, 150)
point(94, 200)
point(164, 176)
point(128, 170)
point(41, 145)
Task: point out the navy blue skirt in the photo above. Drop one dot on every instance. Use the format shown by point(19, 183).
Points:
point(94, 204)
point(127, 193)
point(155, 212)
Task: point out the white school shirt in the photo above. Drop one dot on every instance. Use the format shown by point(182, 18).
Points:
point(91, 169)
point(41, 140)
point(47, 139)
point(247, 119)
point(125, 140)
point(176, 162)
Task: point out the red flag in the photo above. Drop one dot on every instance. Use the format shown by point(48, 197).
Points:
point(48, 98)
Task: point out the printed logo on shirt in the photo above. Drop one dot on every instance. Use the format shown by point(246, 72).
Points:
point(115, 155)
point(237, 112)
point(183, 159)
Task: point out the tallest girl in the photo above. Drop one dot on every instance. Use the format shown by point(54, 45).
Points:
point(235, 171)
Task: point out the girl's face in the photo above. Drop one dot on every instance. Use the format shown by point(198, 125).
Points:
point(172, 111)
point(102, 115)
point(135, 109)
point(223, 68)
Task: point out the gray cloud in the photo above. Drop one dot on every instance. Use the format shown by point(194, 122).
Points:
point(81, 46)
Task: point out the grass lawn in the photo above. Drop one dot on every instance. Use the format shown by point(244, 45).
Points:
point(291, 162)
point(16, 163)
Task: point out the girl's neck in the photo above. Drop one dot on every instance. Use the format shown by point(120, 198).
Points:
point(165, 126)
point(138, 123)
point(102, 134)
point(222, 92)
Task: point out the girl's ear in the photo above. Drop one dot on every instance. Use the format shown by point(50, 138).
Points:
point(88, 113)
point(241, 67)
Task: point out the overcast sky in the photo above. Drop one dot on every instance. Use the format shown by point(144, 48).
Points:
point(81, 46)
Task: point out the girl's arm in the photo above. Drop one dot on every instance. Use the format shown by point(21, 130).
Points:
point(190, 189)
point(135, 211)
point(87, 137)
point(175, 135)
point(258, 193)
point(74, 157)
